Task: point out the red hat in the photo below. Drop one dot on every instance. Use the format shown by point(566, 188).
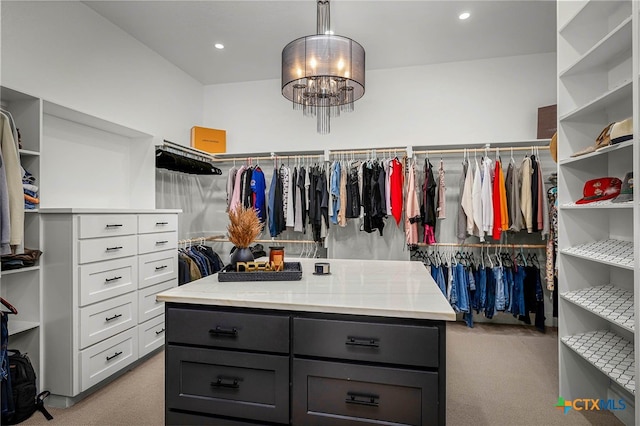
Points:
point(600, 189)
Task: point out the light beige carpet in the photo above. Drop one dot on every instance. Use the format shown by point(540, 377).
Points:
point(496, 375)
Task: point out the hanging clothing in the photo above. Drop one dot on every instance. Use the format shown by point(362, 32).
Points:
point(298, 205)
point(387, 185)
point(396, 189)
point(461, 229)
point(342, 213)
point(487, 198)
point(442, 200)
point(352, 208)
point(230, 185)
point(497, 208)
point(551, 266)
point(513, 194)
point(525, 194)
point(373, 197)
point(303, 183)
point(535, 182)
point(258, 187)
point(12, 169)
point(237, 189)
point(476, 197)
point(543, 204)
point(5, 221)
point(334, 193)
point(412, 215)
point(428, 212)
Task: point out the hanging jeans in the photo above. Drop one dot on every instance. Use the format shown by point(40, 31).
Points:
point(508, 274)
point(5, 377)
point(518, 308)
point(481, 290)
point(500, 295)
point(469, 284)
point(459, 289)
point(490, 308)
point(438, 276)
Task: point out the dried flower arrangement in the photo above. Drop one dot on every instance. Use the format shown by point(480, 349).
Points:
point(244, 226)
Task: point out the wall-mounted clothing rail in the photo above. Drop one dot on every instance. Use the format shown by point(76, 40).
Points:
point(200, 239)
point(372, 151)
point(226, 240)
point(506, 149)
point(185, 151)
point(479, 245)
point(184, 159)
point(271, 157)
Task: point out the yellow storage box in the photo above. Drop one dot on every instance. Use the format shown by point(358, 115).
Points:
point(209, 140)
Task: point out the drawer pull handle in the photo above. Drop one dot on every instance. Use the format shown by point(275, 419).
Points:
point(112, 279)
point(224, 332)
point(109, 358)
point(362, 399)
point(362, 341)
point(227, 382)
point(113, 317)
point(160, 332)
point(114, 225)
point(114, 248)
point(162, 223)
point(160, 267)
point(161, 242)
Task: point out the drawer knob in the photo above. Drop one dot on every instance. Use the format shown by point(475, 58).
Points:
point(161, 242)
point(224, 332)
point(160, 332)
point(363, 341)
point(117, 354)
point(114, 225)
point(113, 317)
point(160, 267)
point(362, 399)
point(227, 382)
point(114, 248)
point(112, 279)
point(162, 223)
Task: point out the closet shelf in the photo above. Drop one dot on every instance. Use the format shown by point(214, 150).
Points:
point(609, 353)
point(615, 43)
point(590, 12)
point(598, 205)
point(18, 326)
point(613, 97)
point(21, 270)
point(609, 252)
point(609, 302)
point(603, 151)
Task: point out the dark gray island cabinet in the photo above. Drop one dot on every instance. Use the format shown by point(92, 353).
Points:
point(233, 361)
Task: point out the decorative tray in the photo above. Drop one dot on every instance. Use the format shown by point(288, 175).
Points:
point(292, 272)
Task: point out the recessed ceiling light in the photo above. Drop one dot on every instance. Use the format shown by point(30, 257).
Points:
point(464, 15)
point(219, 46)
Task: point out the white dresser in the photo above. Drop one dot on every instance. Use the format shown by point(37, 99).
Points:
point(102, 271)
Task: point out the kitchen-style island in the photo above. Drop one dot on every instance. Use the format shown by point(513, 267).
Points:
point(364, 344)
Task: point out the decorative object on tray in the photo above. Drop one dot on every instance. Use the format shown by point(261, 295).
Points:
point(292, 271)
point(244, 226)
point(276, 257)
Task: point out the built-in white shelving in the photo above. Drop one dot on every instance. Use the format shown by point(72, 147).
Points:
point(609, 302)
point(606, 100)
point(611, 354)
point(610, 252)
point(599, 205)
point(602, 152)
point(21, 270)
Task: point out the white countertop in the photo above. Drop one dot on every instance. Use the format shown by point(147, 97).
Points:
point(401, 289)
point(76, 210)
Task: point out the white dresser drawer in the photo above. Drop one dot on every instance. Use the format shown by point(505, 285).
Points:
point(98, 249)
point(148, 223)
point(103, 280)
point(105, 319)
point(157, 267)
point(107, 225)
point(149, 243)
point(148, 306)
point(102, 360)
point(151, 335)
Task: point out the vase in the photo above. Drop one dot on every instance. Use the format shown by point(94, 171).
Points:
point(241, 254)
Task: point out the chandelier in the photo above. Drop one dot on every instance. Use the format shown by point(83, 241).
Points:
point(323, 74)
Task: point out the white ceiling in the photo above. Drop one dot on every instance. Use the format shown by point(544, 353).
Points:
point(394, 33)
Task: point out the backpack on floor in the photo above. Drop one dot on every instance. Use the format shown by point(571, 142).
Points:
point(26, 401)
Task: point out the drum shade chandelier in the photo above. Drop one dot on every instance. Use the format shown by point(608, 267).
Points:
point(323, 74)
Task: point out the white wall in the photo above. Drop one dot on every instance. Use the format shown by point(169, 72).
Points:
point(66, 53)
point(494, 100)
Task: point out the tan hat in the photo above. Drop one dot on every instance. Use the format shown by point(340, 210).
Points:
point(621, 131)
point(553, 147)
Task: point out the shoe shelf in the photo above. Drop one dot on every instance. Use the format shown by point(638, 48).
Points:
point(607, 204)
point(603, 151)
point(614, 44)
point(607, 301)
point(609, 353)
point(17, 326)
point(20, 270)
point(615, 96)
point(609, 252)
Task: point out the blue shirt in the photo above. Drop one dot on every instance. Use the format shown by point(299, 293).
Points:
point(258, 186)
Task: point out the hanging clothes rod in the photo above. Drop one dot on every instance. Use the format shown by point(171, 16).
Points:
point(200, 239)
point(264, 157)
point(226, 240)
point(185, 151)
point(478, 245)
point(506, 149)
point(367, 151)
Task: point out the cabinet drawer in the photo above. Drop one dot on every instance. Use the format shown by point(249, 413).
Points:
point(155, 268)
point(188, 419)
point(148, 223)
point(102, 360)
point(237, 384)
point(105, 319)
point(329, 393)
point(268, 333)
point(107, 225)
point(151, 335)
point(149, 243)
point(363, 341)
point(101, 281)
point(148, 306)
point(99, 249)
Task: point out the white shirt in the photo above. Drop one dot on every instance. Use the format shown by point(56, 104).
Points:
point(476, 196)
